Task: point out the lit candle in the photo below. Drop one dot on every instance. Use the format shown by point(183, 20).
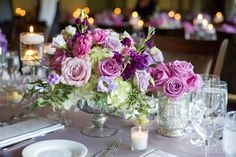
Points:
point(198, 20)
point(211, 29)
point(218, 17)
point(31, 37)
point(139, 138)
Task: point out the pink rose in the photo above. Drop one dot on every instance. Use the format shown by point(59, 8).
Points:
point(59, 56)
point(99, 36)
point(194, 83)
point(174, 88)
point(109, 67)
point(113, 44)
point(75, 71)
point(181, 68)
point(160, 74)
point(82, 46)
point(141, 80)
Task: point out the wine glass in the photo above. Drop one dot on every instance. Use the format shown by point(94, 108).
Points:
point(195, 109)
point(229, 134)
point(212, 109)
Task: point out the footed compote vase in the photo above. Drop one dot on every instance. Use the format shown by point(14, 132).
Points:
point(100, 115)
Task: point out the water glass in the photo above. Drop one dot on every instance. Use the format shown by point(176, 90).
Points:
point(229, 134)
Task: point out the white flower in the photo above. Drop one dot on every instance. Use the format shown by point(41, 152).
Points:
point(157, 54)
point(70, 30)
point(49, 49)
point(58, 42)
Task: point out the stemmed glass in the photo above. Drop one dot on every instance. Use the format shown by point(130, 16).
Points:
point(212, 108)
point(194, 108)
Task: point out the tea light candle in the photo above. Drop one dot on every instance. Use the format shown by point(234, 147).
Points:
point(31, 37)
point(139, 138)
point(211, 29)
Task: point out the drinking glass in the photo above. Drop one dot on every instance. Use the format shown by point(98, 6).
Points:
point(195, 111)
point(211, 109)
point(229, 134)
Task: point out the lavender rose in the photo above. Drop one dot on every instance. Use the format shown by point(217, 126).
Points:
point(174, 88)
point(109, 67)
point(160, 74)
point(106, 84)
point(59, 56)
point(141, 80)
point(113, 44)
point(181, 68)
point(75, 71)
point(82, 46)
point(53, 78)
point(99, 36)
point(194, 83)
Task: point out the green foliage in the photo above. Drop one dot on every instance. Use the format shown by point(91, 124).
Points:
point(138, 101)
point(47, 95)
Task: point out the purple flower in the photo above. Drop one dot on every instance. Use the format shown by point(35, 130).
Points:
point(174, 88)
point(143, 35)
point(3, 42)
point(141, 80)
point(112, 44)
point(59, 56)
point(160, 74)
point(194, 83)
point(82, 46)
point(128, 72)
point(149, 44)
point(77, 21)
point(150, 59)
point(139, 61)
point(126, 42)
point(188, 27)
point(99, 36)
point(118, 57)
point(85, 22)
point(109, 67)
point(106, 84)
point(53, 78)
point(181, 69)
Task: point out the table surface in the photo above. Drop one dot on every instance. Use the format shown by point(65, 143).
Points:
point(178, 146)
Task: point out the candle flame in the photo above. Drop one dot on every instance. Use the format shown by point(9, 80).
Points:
point(177, 16)
point(200, 16)
point(219, 14)
point(205, 22)
point(117, 11)
point(134, 14)
point(210, 27)
point(171, 13)
point(140, 23)
point(31, 28)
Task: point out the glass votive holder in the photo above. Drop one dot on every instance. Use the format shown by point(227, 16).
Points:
point(139, 138)
point(31, 48)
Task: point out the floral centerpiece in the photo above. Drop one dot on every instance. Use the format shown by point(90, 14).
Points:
point(100, 65)
point(174, 81)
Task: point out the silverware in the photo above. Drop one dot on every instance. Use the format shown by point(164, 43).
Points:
point(110, 149)
point(114, 147)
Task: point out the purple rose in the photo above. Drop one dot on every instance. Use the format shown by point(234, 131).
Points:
point(99, 36)
point(174, 88)
point(76, 71)
point(181, 68)
point(59, 56)
point(141, 80)
point(82, 46)
point(160, 74)
point(106, 84)
point(53, 78)
point(194, 83)
point(109, 67)
point(113, 44)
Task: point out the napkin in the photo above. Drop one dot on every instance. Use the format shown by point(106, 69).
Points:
point(157, 153)
point(28, 129)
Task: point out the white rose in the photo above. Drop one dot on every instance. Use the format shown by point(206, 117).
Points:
point(70, 30)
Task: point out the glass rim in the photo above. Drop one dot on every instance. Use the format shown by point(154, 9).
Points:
point(231, 115)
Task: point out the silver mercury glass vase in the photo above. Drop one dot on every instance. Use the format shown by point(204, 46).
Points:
point(172, 116)
point(100, 115)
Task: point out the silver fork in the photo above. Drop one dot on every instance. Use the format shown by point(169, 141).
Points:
point(114, 146)
point(111, 152)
